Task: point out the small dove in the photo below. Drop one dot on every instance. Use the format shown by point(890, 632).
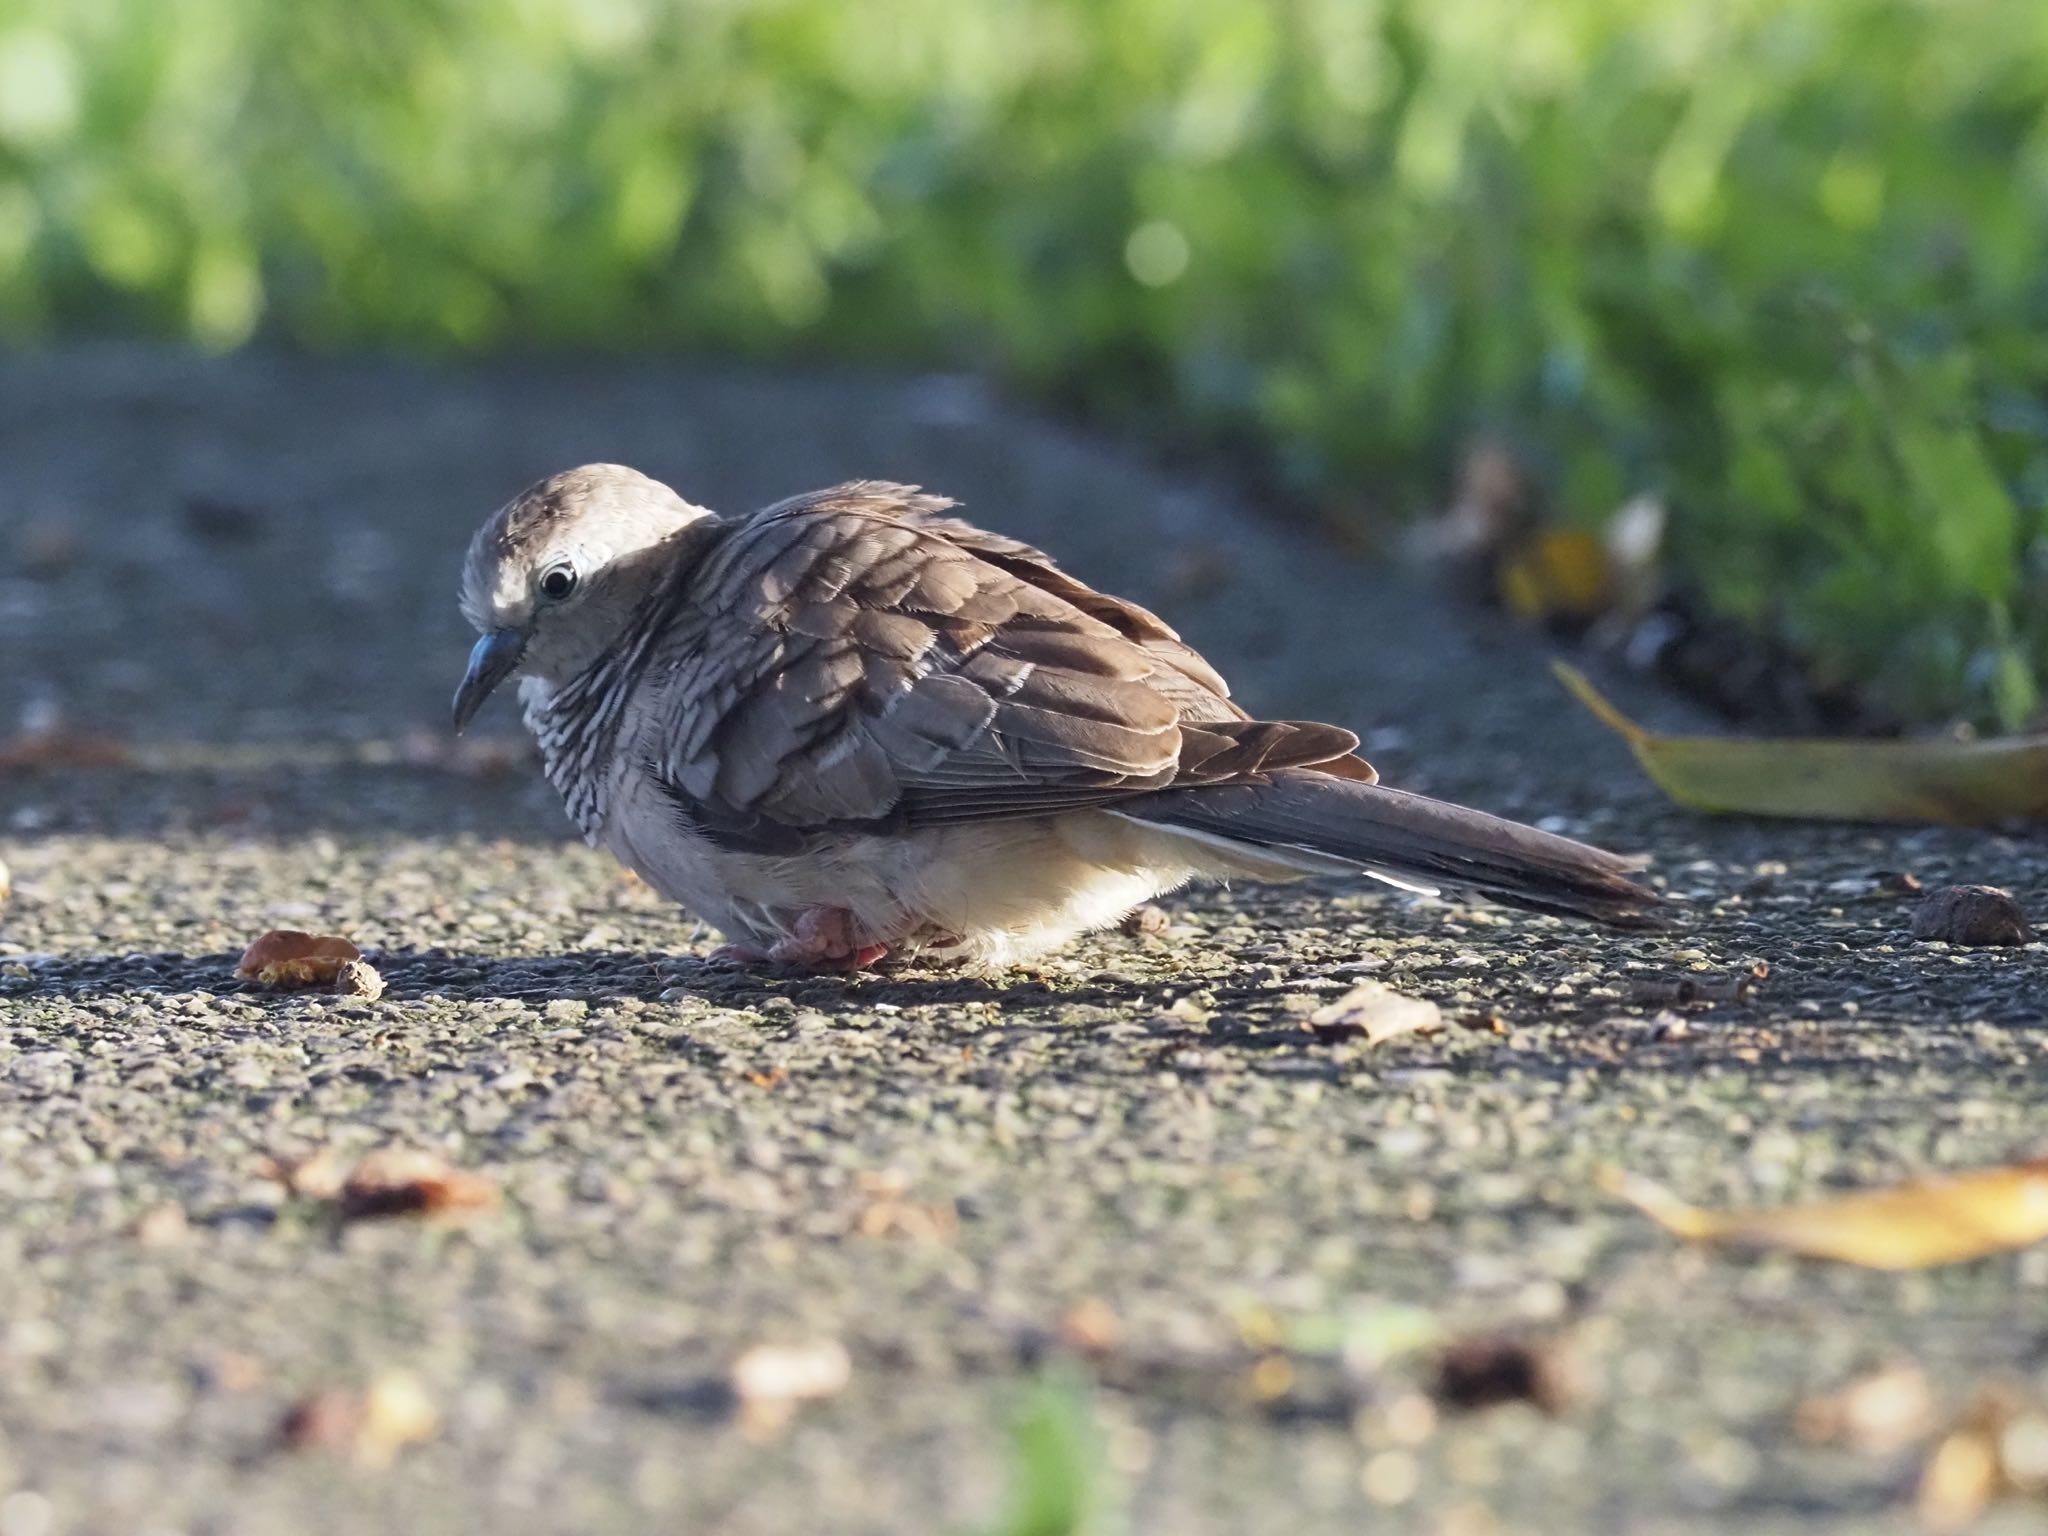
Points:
point(853, 727)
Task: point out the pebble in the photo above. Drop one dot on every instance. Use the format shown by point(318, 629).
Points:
point(1972, 915)
point(359, 978)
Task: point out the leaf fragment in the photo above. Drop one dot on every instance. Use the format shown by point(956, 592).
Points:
point(399, 1181)
point(1963, 783)
point(286, 959)
point(1946, 1220)
point(1377, 1012)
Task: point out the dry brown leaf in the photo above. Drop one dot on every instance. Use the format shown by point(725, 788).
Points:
point(1885, 1411)
point(398, 1181)
point(286, 959)
point(1946, 1220)
point(1377, 1012)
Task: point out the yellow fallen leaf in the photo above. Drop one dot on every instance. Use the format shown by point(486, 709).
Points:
point(1558, 573)
point(1909, 1226)
point(1966, 783)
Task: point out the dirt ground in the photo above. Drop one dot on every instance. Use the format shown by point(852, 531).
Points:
point(1139, 1167)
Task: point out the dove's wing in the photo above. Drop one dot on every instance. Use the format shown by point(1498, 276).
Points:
point(852, 658)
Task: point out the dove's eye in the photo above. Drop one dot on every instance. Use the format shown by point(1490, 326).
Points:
point(557, 582)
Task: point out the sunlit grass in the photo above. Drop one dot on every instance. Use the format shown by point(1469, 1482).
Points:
point(1781, 263)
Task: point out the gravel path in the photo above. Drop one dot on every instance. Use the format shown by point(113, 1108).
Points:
point(1144, 1147)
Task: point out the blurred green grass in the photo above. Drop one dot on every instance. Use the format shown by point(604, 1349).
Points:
point(1780, 262)
point(1058, 1481)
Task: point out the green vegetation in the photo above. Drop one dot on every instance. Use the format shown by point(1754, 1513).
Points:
point(1781, 261)
point(1056, 1472)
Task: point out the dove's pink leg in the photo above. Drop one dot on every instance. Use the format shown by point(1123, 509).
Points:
point(820, 940)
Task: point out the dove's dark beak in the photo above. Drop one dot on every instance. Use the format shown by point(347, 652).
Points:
point(489, 665)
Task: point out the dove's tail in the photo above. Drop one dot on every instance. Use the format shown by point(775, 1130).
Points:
point(1303, 822)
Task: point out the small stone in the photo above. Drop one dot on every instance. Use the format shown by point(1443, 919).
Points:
point(41, 1074)
point(327, 1420)
point(1089, 1327)
point(315, 1176)
point(359, 978)
point(1971, 914)
point(1878, 1414)
point(1704, 989)
point(372, 1426)
point(1145, 921)
point(161, 1226)
point(1487, 1369)
point(397, 1412)
point(770, 1380)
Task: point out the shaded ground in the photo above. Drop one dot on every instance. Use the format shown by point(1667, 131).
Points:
point(934, 1172)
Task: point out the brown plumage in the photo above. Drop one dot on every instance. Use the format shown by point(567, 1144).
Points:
point(853, 703)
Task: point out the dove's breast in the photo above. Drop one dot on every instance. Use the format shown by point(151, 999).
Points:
point(987, 893)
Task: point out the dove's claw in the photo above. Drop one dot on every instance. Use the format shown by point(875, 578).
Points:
point(820, 939)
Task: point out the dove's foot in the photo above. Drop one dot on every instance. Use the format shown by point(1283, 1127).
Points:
point(822, 939)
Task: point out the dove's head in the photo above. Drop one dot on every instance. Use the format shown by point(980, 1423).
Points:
point(555, 573)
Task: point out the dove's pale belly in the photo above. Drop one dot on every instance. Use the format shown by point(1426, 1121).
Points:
point(982, 894)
